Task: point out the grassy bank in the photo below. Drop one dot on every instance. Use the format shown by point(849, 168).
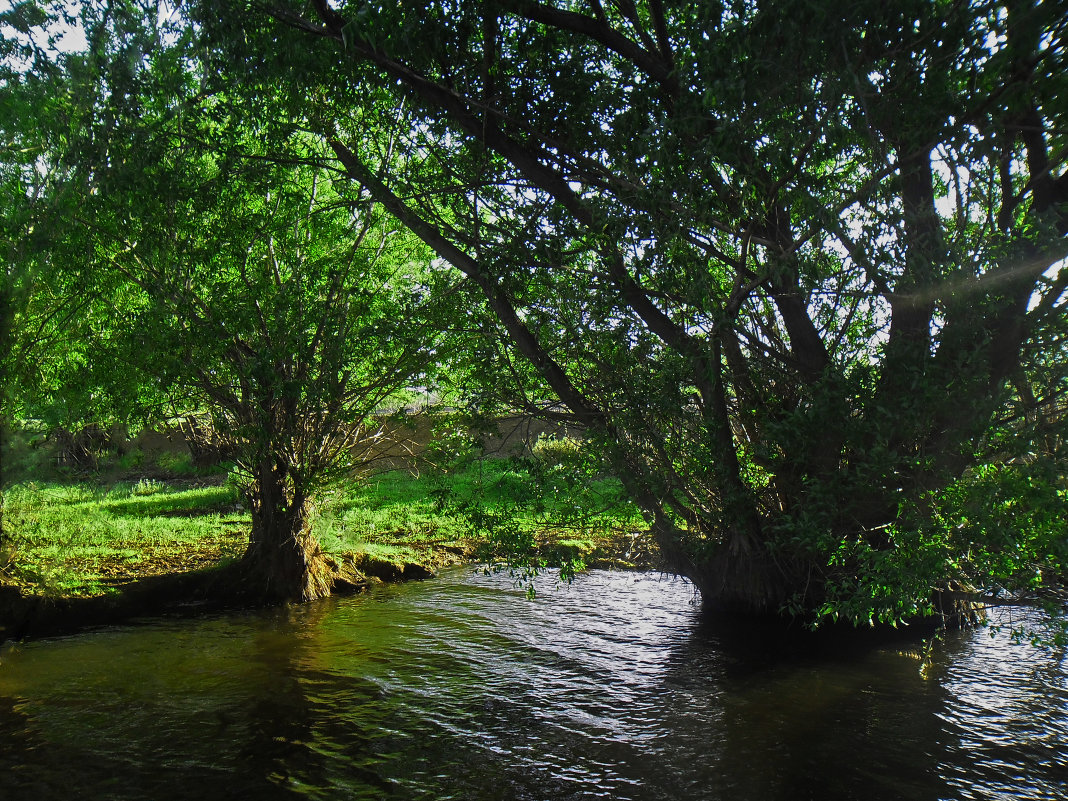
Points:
point(72, 539)
point(89, 538)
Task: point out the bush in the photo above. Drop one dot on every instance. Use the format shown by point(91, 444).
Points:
point(25, 454)
point(558, 451)
point(131, 460)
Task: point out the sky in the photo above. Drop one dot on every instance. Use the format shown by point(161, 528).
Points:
point(66, 38)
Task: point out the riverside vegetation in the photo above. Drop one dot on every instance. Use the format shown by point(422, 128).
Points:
point(800, 279)
point(97, 534)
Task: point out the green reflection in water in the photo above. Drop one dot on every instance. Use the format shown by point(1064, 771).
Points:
point(462, 688)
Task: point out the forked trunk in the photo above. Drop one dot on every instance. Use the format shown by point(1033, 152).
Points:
point(284, 563)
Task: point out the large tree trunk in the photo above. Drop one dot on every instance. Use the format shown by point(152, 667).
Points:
point(284, 563)
point(755, 585)
point(748, 584)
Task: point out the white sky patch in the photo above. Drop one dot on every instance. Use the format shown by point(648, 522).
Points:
point(949, 205)
point(1051, 275)
point(59, 37)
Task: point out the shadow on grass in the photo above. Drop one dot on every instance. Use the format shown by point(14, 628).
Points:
point(215, 500)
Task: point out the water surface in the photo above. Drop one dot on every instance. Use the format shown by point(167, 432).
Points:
point(616, 687)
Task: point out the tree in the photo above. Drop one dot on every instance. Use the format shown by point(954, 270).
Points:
point(54, 117)
point(797, 270)
point(255, 290)
point(32, 316)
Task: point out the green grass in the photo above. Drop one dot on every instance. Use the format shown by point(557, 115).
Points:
point(386, 507)
point(78, 539)
point(499, 514)
point(84, 539)
point(401, 508)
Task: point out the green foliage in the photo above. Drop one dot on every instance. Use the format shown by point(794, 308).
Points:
point(799, 278)
point(794, 273)
point(1006, 528)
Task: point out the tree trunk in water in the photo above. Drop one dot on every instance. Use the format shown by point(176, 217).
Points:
point(742, 579)
point(731, 580)
point(284, 563)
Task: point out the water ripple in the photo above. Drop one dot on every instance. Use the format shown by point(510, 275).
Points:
point(613, 687)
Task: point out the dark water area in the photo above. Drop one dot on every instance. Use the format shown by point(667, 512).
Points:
point(616, 687)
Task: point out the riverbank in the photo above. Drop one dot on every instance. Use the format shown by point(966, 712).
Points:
point(26, 615)
point(89, 553)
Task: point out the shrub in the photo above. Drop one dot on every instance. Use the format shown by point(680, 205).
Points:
point(558, 451)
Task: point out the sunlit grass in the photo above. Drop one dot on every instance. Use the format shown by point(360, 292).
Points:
point(383, 510)
point(399, 514)
point(85, 539)
point(78, 539)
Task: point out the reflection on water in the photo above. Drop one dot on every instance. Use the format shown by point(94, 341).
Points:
point(615, 687)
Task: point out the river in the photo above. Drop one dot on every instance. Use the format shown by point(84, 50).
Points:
point(614, 687)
